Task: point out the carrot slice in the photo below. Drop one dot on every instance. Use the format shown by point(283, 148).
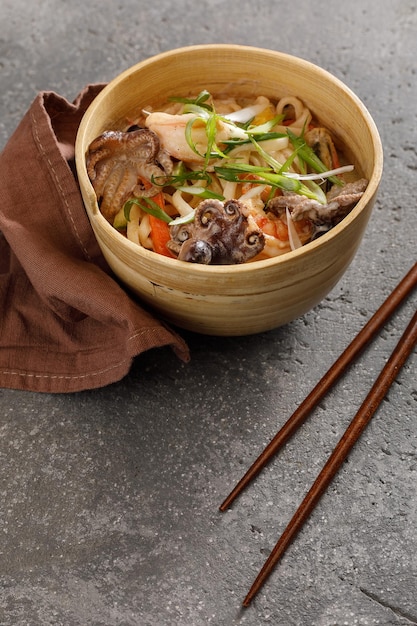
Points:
point(160, 236)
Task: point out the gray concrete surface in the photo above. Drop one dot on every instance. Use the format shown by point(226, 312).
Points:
point(109, 498)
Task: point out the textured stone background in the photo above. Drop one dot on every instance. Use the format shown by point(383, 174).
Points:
point(109, 498)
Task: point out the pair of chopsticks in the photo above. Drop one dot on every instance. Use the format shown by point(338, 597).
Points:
point(375, 396)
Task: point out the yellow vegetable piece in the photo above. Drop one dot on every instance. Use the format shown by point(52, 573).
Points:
point(264, 116)
point(120, 221)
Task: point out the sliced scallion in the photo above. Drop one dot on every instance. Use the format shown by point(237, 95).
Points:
point(309, 156)
point(201, 192)
point(183, 219)
point(149, 206)
point(200, 100)
point(265, 176)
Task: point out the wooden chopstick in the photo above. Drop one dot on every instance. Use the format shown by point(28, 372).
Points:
point(378, 391)
point(380, 317)
point(351, 435)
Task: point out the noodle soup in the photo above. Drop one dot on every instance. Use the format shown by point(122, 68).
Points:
point(218, 180)
point(242, 297)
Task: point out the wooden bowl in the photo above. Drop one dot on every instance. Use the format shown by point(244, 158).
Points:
point(257, 296)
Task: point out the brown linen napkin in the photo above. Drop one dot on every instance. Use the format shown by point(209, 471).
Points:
point(65, 323)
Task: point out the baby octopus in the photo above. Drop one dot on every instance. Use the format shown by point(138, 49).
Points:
point(220, 234)
point(116, 163)
point(340, 201)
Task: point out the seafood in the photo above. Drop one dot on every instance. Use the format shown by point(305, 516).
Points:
point(322, 216)
point(117, 161)
point(171, 129)
point(219, 234)
point(235, 180)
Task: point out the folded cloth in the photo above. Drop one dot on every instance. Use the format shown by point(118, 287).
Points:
point(65, 323)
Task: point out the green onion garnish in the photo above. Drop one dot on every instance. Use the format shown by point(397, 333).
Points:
point(309, 156)
point(233, 173)
point(201, 192)
point(149, 206)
